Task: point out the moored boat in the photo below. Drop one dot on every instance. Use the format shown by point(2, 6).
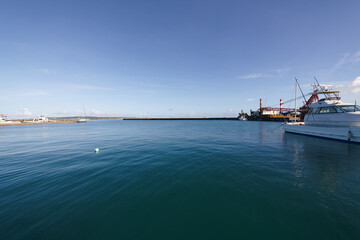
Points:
point(242, 118)
point(40, 119)
point(4, 120)
point(328, 117)
point(82, 120)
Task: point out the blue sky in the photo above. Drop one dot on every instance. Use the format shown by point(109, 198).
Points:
point(171, 58)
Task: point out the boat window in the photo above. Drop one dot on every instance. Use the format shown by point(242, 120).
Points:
point(339, 110)
point(351, 108)
point(322, 110)
point(327, 110)
point(316, 110)
point(332, 110)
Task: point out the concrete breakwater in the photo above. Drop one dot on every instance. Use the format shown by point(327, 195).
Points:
point(28, 122)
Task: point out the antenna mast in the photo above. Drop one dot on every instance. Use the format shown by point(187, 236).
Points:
point(317, 81)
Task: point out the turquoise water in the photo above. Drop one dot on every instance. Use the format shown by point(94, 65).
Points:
point(176, 180)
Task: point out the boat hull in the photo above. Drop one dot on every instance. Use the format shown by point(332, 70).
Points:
point(345, 134)
point(333, 119)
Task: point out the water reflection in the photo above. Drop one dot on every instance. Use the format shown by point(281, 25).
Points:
point(269, 132)
point(261, 132)
point(325, 161)
point(298, 167)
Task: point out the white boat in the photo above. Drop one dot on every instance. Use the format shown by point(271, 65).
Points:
point(242, 118)
point(328, 117)
point(4, 120)
point(40, 119)
point(83, 120)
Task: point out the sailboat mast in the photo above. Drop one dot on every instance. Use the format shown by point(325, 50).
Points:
point(84, 110)
point(295, 97)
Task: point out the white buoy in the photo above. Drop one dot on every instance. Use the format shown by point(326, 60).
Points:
point(96, 150)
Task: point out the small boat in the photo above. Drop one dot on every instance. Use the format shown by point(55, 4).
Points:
point(83, 120)
point(328, 117)
point(242, 118)
point(4, 120)
point(40, 119)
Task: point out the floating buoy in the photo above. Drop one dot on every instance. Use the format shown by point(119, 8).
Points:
point(96, 150)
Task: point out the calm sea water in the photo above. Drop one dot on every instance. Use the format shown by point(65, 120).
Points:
point(176, 180)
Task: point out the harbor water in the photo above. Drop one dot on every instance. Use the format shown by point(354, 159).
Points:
point(176, 180)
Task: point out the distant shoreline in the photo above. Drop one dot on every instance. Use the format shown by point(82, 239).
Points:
point(22, 122)
point(204, 118)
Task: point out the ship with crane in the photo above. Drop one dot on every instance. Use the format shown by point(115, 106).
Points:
point(272, 114)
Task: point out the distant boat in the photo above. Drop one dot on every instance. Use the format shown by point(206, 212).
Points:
point(83, 120)
point(41, 119)
point(4, 120)
point(242, 118)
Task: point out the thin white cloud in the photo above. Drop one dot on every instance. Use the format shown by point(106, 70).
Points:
point(355, 85)
point(348, 59)
point(251, 99)
point(96, 112)
point(280, 72)
point(357, 56)
point(25, 112)
point(342, 60)
point(251, 76)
